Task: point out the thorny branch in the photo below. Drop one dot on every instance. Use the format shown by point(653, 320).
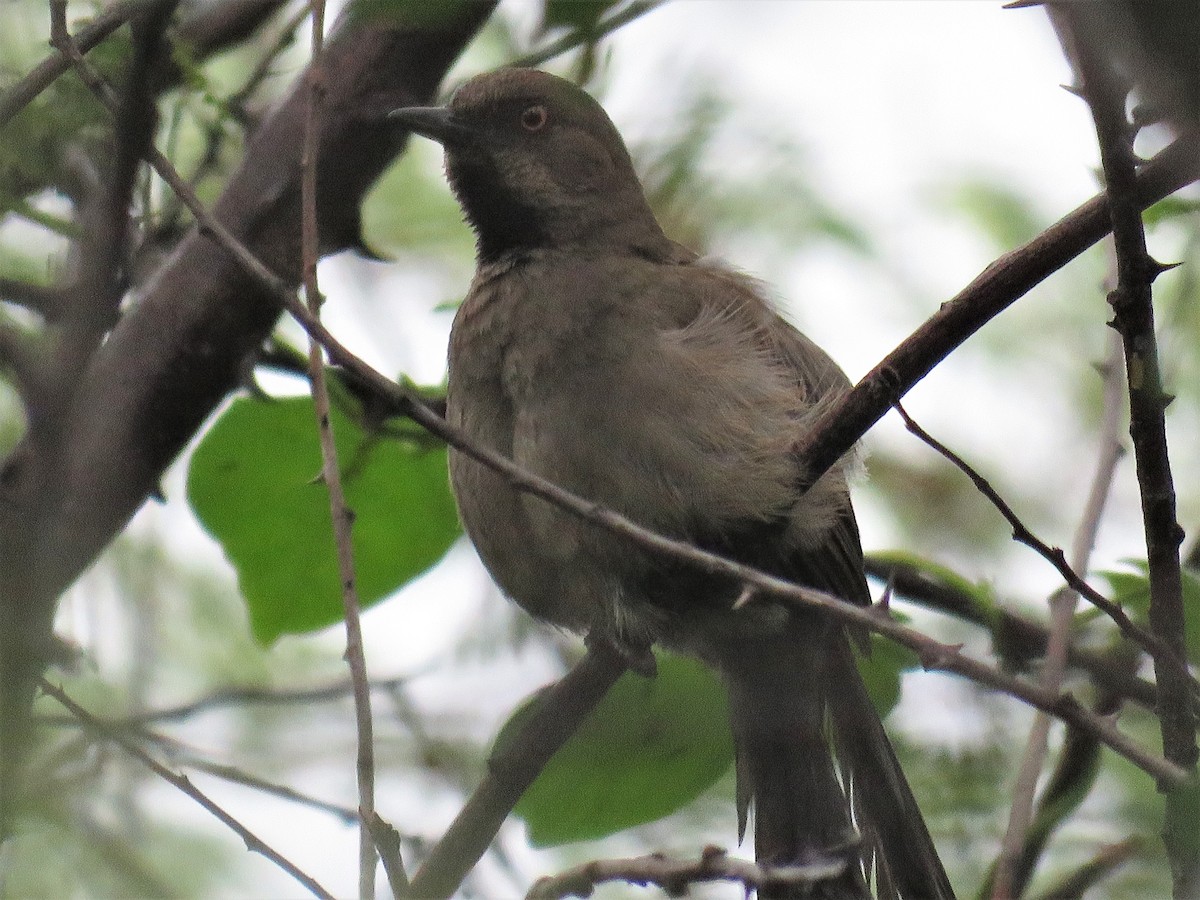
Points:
point(1023, 535)
point(1106, 92)
point(1016, 640)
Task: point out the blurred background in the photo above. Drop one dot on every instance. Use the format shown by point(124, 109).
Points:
point(865, 159)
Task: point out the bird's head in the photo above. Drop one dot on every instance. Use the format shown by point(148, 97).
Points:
point(536, 162)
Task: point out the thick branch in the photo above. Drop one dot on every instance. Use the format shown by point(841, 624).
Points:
point(184, 346)
point(556, 715)
point(995, 289)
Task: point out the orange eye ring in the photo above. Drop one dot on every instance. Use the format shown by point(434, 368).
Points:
point(534, 118)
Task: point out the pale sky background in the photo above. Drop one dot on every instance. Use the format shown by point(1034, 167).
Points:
point(883, 95)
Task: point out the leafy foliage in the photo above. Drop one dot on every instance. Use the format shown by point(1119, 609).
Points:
point(254, 483)
point(650, 746)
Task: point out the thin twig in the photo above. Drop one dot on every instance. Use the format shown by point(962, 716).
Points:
point(634, 10)
point(1016, 640)
point(1022, 535)
point(675, 876)
point(1106, 93)
point(253, 843)
point(331, 473)
point(238, 696)
point(1062, 614)
point(44, 73)
point(387, 842)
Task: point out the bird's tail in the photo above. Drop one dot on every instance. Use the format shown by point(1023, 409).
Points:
point(785, 765)
point(905, 863)
point(807, 807)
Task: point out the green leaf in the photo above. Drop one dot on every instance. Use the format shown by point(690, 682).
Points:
point(650, 746)
point(253, 483)
point(881, 670)
point(1132, 591)
point(581, 15)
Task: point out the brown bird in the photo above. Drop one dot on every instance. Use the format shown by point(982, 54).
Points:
point(604, 357)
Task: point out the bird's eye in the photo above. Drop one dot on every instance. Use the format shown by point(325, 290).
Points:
point(533, 118)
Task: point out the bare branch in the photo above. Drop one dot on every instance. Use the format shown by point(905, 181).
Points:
point(253, 843)
point(675, 876)
point(239, 696)
point(1015, 639)
point(1105, 93)
point(1023, 535)
point(341, 515)
point(995, 289)
point(556, 715)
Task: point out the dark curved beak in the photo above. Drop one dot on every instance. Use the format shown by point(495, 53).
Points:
point(434, 122)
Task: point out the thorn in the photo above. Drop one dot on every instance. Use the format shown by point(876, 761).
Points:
point(319, 478)
point(935, 656)
point(1167, 399)
point(158, 494)
point(748, 593)
point(1145, 114)
point(884, 605)
point(1157, 268)
point(712, 852)
point(1075, 90)
point(1023, 4)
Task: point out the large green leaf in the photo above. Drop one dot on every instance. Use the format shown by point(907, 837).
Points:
point(649, 747)
point(253, 483)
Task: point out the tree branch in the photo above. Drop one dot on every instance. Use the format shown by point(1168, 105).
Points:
point(341, 515)
point(555, 716)
point(253, 843)
point(1016, 640)
point(995, 289)
point(1132, 303)
point(675, 876)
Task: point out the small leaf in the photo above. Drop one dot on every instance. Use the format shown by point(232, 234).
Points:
point(1131, 590)
point(253, 483)
point(881, 670)
point(650, 746)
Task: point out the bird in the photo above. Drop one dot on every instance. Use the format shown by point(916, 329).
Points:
point(602, 356)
